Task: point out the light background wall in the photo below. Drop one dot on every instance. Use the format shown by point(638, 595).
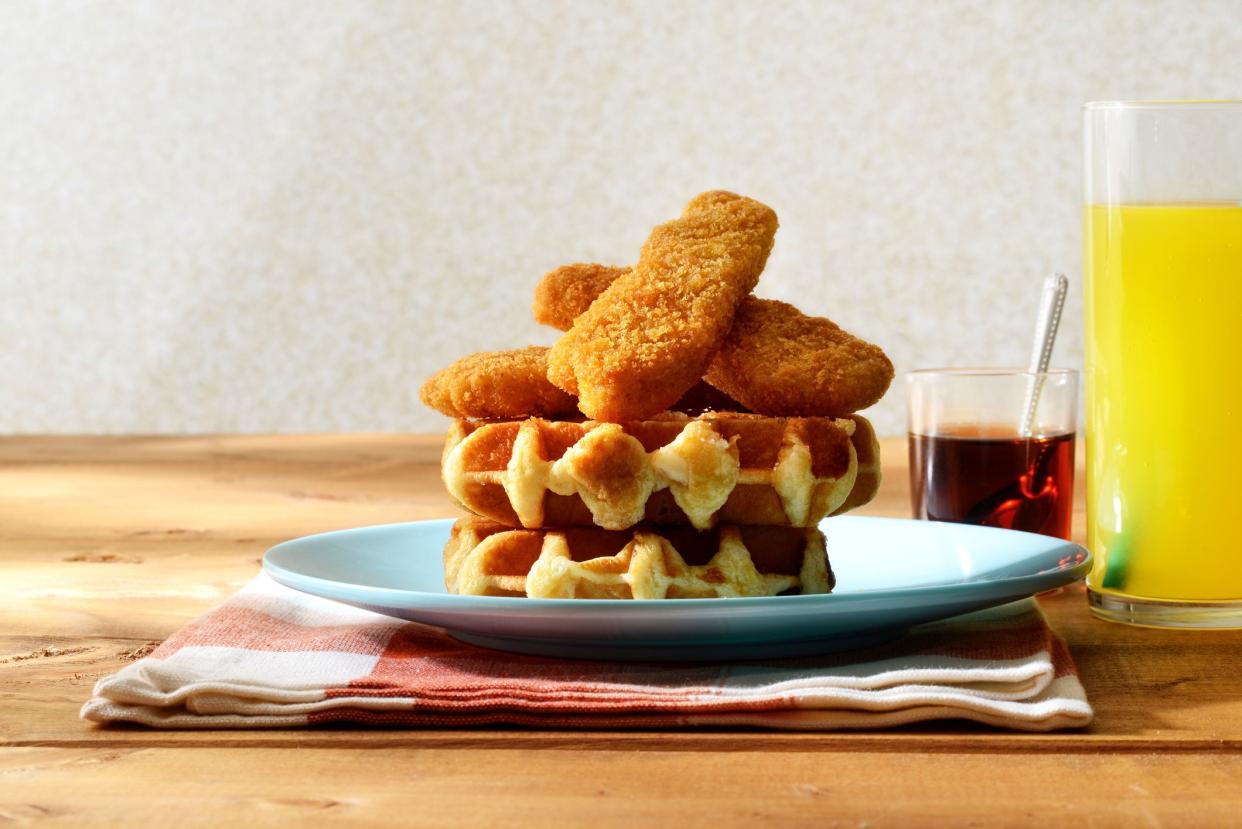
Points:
point(281, 216)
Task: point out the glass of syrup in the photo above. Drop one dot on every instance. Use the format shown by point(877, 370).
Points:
point(994, 447)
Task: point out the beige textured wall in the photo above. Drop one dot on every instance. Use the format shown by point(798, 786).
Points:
point(262, 216)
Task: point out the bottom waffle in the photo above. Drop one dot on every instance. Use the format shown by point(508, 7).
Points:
point(483, 558)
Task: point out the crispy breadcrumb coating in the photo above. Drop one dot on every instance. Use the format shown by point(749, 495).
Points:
point(651, 334)
point(776, 360)
point(498, 385)
point(564, 294)
point(779, 361)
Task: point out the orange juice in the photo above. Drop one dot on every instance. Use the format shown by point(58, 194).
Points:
point(1164, 400)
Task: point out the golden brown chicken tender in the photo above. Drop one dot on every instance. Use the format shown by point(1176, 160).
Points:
point(651, 334)
point(775, 360)
point(498, 385)
point(564, 294)
point(779, 361)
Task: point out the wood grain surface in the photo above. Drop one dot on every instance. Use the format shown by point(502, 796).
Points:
point(109, 544)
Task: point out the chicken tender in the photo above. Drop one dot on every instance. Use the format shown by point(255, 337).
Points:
point(776, 360)
point(498, 385)
point(564, 294)
point(779, 361)
point(650, 335)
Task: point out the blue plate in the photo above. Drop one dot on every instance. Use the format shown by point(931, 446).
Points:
point(891, 574)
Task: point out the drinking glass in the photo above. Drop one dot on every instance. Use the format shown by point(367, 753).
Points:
point(1163, 262)
point(994, 446)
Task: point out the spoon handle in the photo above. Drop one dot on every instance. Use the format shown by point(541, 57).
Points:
point(1051, 303)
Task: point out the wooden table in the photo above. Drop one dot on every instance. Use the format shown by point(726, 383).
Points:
point(108, 545)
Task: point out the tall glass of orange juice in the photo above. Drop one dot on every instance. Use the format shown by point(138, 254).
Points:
point(1163, 262)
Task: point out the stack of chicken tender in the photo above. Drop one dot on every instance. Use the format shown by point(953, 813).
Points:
point(682, 439)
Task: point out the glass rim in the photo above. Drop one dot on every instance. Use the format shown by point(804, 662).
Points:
point(1188, 103)
point(1001, 371)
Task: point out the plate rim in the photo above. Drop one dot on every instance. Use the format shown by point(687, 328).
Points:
point(1031, 583)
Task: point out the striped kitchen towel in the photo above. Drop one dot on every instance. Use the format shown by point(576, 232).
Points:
point(273, 657)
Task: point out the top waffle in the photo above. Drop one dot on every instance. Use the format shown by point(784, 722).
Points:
point(671, 470)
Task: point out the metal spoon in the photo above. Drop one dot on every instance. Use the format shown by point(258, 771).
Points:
point(1028, 501)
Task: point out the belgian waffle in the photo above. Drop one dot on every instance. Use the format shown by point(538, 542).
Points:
point(672, 470)
point(483, 558)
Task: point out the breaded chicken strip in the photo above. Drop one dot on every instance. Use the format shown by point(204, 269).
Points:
point(564, 294)
point(775, 361)
point(498, 385)
point(779, 361)
point(651, 334)
point(505, 385)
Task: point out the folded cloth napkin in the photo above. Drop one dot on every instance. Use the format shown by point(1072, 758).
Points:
point(273, 657)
